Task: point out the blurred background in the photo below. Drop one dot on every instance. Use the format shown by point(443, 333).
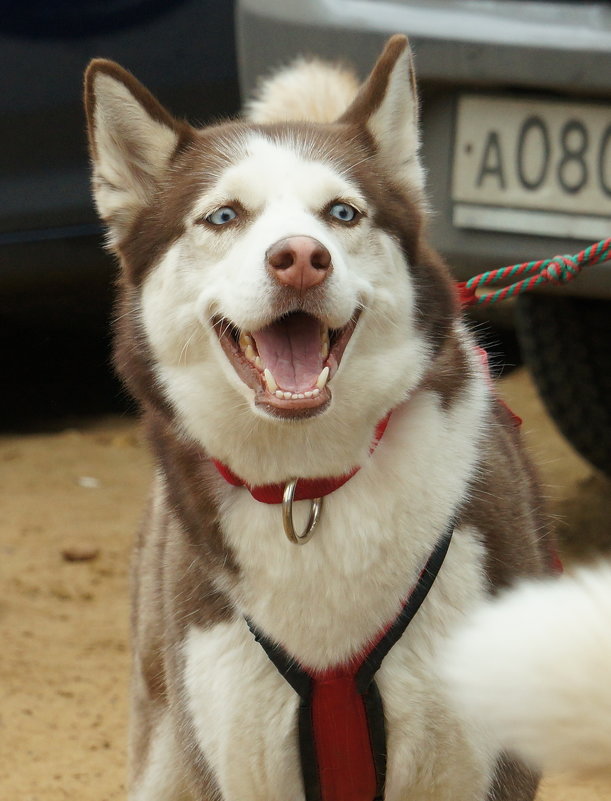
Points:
point(56, 280)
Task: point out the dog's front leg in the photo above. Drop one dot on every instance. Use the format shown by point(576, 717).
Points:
point(157, 770)
point(242, 715)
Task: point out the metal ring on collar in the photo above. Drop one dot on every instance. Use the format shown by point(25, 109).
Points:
point(287, 515)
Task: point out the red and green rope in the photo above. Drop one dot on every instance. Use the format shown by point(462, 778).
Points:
point(531, 274)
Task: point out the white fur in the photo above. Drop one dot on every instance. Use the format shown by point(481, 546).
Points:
point(533, 669)
point(249, 737)
point(207, 273)
point(321, 92)
point(246, 735)
point(327, 599)
point(330, 90)
point(377, 556)
point(163, 776)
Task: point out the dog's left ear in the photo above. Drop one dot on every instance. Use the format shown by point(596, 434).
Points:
point(387, 105)
point(132, 139)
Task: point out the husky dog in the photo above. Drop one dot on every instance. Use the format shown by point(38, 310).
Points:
point(281, 319)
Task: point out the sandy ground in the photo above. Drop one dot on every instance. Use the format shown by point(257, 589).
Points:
point(64, 658)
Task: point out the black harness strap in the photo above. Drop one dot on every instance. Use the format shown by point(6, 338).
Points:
point(413, 603)
point(302, 682)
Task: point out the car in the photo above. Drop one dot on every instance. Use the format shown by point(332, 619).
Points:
point(56, 280)
point(516, 117)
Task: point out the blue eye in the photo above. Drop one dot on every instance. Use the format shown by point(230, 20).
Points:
point(222, 216)
point(343, 212)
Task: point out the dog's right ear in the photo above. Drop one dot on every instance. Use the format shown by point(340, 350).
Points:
point(131, 138)
point(387, 106)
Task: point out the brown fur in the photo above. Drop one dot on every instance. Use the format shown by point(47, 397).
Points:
point(131, 354)
point(371, 93)
point(179, 549)
point(506, 505)
point(448, 373)
point(140, 92)
point(513, 781)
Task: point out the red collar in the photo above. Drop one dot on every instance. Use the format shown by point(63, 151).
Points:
point(307, 488)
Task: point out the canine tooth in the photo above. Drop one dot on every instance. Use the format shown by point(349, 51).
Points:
point(279, 393)
point(322, 378)
point(270, 381)
point(324, 349)
point(250, 353)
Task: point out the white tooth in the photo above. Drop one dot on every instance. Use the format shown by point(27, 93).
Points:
point(258, 363)
point(288, 395)
point(270, 381)
point(322, 378)
point(279, 393)
point(299, 396)
point(315, 393)
point(245, 340)
point(308, 394)
point(250, 353)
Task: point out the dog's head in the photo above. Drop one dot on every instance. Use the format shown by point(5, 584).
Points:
point(276, 270)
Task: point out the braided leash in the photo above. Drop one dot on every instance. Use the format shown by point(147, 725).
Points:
point(559, 270)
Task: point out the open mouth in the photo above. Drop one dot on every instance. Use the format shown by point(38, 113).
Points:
point(288, 363)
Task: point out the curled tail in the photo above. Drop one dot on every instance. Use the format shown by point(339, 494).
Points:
point(533, 668)
point(308, 89)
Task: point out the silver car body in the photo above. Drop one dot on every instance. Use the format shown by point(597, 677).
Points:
point(516, 100)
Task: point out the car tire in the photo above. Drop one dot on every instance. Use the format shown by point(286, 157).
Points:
point(566, 341)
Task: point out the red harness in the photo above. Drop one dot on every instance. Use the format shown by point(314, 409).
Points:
point(342, 736)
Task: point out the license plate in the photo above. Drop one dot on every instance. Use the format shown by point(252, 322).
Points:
point(532, 166)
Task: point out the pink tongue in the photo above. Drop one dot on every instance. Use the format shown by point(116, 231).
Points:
point(290, 349)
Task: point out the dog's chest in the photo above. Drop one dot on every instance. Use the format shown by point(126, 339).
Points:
point(245, 714)
point(323, 601)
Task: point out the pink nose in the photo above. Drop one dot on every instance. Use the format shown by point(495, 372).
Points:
point(300, 262)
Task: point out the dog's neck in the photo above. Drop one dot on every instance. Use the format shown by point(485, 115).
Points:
point(306, 489)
